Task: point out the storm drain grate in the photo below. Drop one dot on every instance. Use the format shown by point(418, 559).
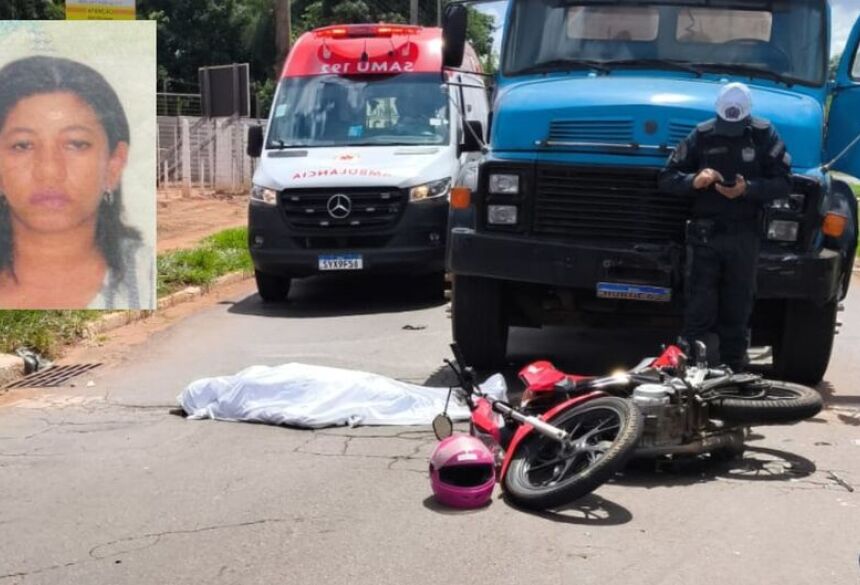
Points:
point(53, 376)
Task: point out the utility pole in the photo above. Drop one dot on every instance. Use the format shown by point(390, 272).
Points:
point(413, 11)
point(438, 12)
point(283, 31)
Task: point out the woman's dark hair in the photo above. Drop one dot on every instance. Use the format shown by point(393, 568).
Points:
point(39, 75)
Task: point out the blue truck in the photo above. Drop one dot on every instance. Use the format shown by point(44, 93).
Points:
point(566, 224)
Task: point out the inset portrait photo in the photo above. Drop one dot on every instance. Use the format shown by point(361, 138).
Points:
point(77, 164)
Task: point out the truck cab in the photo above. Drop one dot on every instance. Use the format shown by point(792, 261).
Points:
point(364, 139)
point(566, 223)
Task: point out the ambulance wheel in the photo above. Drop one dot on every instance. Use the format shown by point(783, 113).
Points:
point(272, 288)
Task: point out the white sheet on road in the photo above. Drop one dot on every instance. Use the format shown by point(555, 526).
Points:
point(316, 396)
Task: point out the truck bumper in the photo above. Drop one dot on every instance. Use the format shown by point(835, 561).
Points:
point(813, 277)
point(416, 244)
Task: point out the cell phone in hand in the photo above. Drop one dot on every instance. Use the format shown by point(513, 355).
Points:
point(727, 184)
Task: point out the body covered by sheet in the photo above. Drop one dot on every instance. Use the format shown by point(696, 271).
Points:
point(315, 396)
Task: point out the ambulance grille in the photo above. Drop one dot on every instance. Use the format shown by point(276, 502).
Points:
point(368, 209)
point(604, 203)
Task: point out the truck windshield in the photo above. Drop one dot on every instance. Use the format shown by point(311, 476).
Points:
point(335, 110)
point(777, 39)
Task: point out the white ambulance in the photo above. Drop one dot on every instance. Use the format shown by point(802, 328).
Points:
point(365, 139)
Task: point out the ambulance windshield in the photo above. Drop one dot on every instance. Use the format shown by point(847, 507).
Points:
point(379, 110)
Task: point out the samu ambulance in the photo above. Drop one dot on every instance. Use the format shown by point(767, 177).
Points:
point(365, 139)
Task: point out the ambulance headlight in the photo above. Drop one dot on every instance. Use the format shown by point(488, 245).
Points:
point(264, 195)
point(430, 190)
point(504, 184)
point(780, 230)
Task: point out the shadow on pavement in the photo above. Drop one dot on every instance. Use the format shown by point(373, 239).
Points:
point(591, 510)
point(756, 464)
point(339, 295)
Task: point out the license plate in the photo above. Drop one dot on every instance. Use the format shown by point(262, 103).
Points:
point(341, 262)
point(633, 292)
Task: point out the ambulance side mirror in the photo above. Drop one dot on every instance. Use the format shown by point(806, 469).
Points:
point(255, 141)
point(454, 23)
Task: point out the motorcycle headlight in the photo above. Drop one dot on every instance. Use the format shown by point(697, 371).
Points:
point(430, 190)
point(264, 195)
point(782, 231)
point(504, 184)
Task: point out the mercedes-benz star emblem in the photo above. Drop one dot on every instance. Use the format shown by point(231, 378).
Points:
point(339, 206)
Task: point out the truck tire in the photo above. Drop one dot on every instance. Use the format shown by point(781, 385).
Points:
point(803, 351)
point(272, 288)
point(479, 322)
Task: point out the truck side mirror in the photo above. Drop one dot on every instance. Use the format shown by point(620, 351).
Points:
point(474, 136)
point(255, 141)
point(454, 23)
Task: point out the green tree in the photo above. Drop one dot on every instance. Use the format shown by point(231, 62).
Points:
point(32, 10)
point(834, 65)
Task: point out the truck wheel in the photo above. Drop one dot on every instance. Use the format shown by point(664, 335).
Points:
point(802, 353)
point(272, 288)
point(480, 325)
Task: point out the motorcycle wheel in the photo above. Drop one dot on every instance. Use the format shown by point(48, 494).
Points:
point(545, 474)
point(766, 402)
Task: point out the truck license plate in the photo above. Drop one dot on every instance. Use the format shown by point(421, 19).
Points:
point(633, 292)
point(341, 262)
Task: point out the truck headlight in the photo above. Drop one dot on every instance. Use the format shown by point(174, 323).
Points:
point(502, 214)
point(782, 231)
point(504, 184)
point(264, 195)
point(430, 190)
point(793, 202)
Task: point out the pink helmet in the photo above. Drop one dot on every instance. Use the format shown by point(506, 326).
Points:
point(462, 472)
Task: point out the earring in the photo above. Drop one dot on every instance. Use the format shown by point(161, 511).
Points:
point(107, 197)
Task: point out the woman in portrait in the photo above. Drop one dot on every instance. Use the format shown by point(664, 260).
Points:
point(64, 142)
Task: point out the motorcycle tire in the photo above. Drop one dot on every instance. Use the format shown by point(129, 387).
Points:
point(526, 488)
point(780, 403)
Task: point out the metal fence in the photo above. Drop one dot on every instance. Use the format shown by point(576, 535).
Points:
point(204, 153)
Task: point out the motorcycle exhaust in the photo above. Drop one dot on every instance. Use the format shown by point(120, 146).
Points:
point(733, 439)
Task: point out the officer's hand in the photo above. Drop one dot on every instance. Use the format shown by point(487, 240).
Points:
point(733, 192)
point(706, 178)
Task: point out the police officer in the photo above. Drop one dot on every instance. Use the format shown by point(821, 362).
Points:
point(732, 166)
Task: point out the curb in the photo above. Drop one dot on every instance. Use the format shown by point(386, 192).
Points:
point(12, 366)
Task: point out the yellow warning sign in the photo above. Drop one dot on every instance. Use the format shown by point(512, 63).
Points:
point(100, 10)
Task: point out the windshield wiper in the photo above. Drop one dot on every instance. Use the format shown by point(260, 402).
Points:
point(749, 70)
point(679, 65)
point(562, 64)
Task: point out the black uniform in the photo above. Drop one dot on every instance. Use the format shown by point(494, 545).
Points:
point(723, 234)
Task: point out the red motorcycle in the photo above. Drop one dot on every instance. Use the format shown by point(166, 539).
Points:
point(687, 409)
point(550, 458)
point(572, 433)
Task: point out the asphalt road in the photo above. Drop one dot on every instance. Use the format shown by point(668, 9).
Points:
point(101, 484)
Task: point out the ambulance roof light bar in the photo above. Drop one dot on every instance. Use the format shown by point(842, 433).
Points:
point(366, 30)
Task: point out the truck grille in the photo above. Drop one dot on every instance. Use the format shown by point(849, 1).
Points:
point(614, 130)
point(369, 208)
point(606, 204)
point(679, 130)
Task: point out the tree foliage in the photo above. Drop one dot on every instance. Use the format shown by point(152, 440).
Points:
point(32, 9)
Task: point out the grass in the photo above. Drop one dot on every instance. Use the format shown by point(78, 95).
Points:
point(45, 332)
point(219, 254)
